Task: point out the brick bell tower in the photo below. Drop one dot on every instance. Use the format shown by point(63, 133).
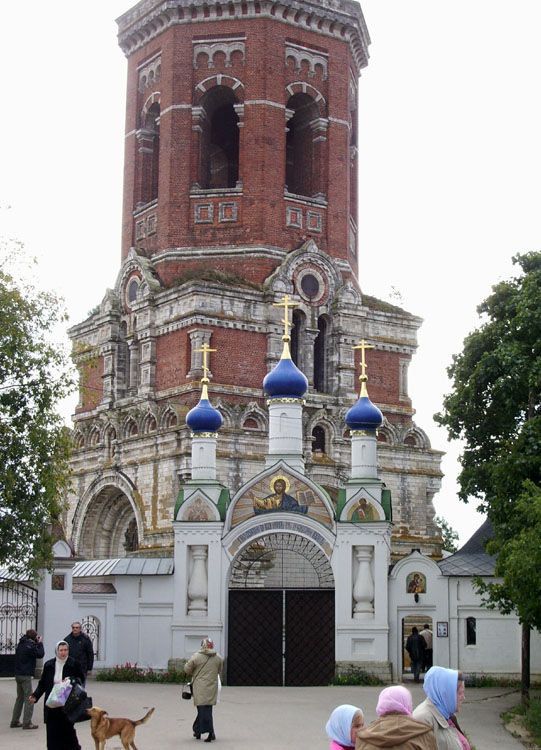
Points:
point(240, 186)
point(241, 133)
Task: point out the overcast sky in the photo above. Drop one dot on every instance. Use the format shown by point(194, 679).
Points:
point(449, 163)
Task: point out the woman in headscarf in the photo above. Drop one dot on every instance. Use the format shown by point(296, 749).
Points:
point(343, 725)
point(445, 692)
point(395, 726)
point(204, 668)
point(61, 733)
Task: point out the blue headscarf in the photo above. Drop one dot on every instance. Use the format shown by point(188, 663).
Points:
point(338, 727)
point(441, 687)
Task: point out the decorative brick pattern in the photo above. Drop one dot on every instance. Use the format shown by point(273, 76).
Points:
point(228, 212)
point(293, 217)
point(204, 213)
point(211, 53)
point(313, 221)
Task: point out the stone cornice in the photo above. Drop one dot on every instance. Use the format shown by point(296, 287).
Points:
point(341, 19)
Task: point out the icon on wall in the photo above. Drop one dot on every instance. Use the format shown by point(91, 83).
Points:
point(416, 583)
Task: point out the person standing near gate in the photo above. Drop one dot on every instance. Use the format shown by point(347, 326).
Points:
point(28, 651)
point(204, 668)
point(80, 648)
point(426, 634)
point(415, 646)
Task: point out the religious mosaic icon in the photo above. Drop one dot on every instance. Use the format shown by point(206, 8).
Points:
point(416, 583)
point(278, 494)
point(197, 511)
point(363, 511)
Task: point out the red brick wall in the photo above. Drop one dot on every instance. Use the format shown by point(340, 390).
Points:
point(383, 376)
point(91, 384)
point(240, 357)
point(172, 354)
point(261, 208)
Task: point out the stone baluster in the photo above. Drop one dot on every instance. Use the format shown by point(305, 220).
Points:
point(198, 585)
point(363, 587)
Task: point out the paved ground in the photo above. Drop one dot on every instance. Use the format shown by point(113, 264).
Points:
point(262, 718)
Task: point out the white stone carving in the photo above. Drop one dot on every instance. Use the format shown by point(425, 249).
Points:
point(198, 585)
point(210, 47)
point(312, 57)
point(150, 73)
point(363, 587)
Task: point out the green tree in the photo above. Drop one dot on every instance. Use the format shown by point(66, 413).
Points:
point(450, 536)
point(495, 408)
point(34, 444)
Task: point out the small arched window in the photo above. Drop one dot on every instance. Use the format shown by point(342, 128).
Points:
point(219, 166)
point(297, 338)
point(301, 172)
point(321, 356)
point(149, 153)
point(411, 441)
point(319, 443)
point(90, 626)
point(250, 424)
point(471, 631)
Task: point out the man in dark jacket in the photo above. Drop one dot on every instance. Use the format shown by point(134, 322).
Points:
point(29, 649)
point(80, 648)
point(415, 646)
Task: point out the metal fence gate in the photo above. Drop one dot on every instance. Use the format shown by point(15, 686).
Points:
point(281, 638)
point(18, 613)
point(281, 614)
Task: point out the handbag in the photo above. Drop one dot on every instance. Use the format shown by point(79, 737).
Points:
point(77, 703)
point(187, 691)
point(59, 694)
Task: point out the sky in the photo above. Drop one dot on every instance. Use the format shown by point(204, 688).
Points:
point(449, 165)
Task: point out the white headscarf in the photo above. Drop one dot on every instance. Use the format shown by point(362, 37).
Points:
point(59, 663)
point(338, 727)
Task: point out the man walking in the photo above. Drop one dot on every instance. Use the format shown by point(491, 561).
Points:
point(80, 648)
point(426, 634)
point(415, 646)
point(28, 651)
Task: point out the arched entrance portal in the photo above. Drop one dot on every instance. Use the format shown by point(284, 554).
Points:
point(281, 614)
point(109, 528)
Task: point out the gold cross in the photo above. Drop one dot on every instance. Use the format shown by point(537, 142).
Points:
point(205, 349)
point(286, 304)
point(363, 346)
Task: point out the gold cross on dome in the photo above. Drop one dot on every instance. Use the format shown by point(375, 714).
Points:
point(286, 304)
point(205, 349)
point(363, 346)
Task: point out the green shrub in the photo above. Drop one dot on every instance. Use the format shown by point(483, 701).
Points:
point(487, 681)
point(357, 678)
point(129, 672)
point(532, 720)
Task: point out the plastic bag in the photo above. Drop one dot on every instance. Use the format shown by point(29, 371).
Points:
point(59, 694)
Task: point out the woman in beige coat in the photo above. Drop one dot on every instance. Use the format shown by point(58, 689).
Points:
point(444, 690)
point(204, 668)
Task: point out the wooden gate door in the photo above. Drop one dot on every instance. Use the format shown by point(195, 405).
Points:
point(309, 637)
point(254, 653)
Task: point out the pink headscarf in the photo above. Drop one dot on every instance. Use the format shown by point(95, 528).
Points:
point(394, 700)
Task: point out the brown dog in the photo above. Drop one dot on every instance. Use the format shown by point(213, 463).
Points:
point(102, 728)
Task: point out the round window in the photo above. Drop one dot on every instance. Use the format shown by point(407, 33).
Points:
point(310, 285)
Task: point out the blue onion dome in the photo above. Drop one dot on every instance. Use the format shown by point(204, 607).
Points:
point(364, 415)
point(285, 380)
point(204, 417)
